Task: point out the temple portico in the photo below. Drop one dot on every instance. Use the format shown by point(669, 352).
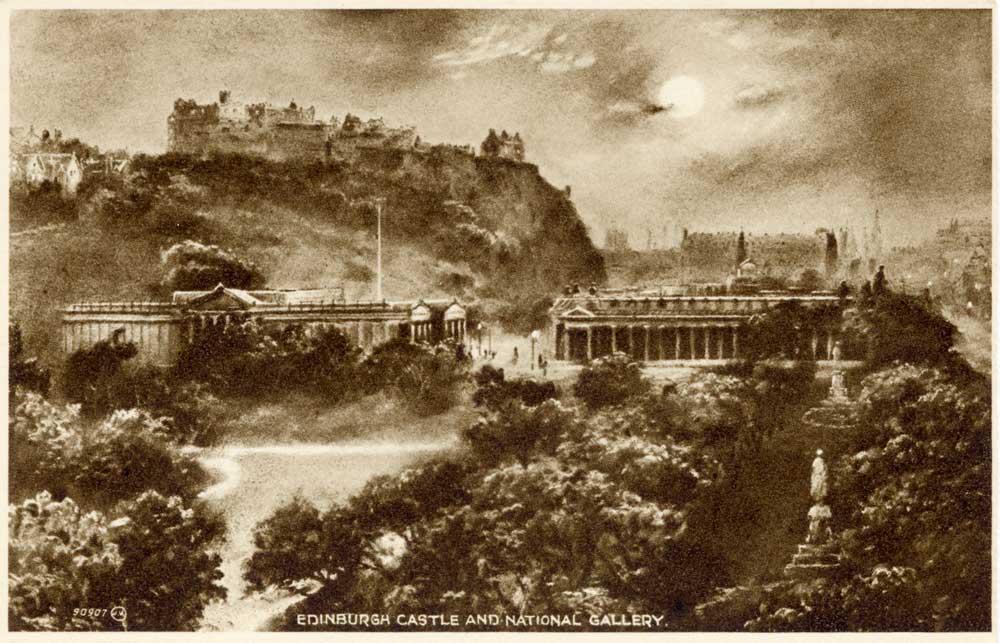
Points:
point(673, 328)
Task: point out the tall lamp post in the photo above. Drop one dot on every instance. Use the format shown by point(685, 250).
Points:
point(534, 338)
point(378, 203)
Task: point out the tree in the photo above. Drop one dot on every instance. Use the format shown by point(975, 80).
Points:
point(168, 550)
point(193, 266)
point(93, 374)
point(24, 372)
point(493, 389)
point(155, 559)
point(45, 443)
point(517, 431)
point(426, 378)
point(610, 380)
point(897, 327)
point(131, 452)
point(61, 559)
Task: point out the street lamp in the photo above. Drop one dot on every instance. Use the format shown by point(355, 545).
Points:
point(534, 338)
point(479, 332)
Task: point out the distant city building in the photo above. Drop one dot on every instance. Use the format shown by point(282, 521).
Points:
point(161, 329)
point(616, 240)
point(34, 168)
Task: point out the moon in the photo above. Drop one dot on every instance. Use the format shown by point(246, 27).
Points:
point(683, 95)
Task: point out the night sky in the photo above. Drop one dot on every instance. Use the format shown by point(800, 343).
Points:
point(769, 120)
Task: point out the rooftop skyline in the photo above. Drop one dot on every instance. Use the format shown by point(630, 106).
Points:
point(767, 120)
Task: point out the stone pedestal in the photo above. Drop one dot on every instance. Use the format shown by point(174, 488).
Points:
point(812, 561)
point(838, 391)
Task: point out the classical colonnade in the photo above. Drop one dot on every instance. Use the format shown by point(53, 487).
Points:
point(668, 342)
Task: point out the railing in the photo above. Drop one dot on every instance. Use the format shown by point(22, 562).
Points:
point(121, 306)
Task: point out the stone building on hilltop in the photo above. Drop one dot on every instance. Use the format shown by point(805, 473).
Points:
point(503, 146)
point(278, 133)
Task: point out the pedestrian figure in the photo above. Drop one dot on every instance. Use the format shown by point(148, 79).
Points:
point(513, 359)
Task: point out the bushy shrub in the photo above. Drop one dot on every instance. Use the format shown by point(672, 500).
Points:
point(427, 378)
point(149, 548)
point(93, 375)
point(45, 442)
point(24, 372)
point(894, 327)
point(610, 380)
point(131, 452)
point(493, 389)
point(517, 431)
point(247, 359)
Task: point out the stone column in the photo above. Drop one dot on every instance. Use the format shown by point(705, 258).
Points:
point(645, 346)
point(677, 342)
point(815, 343)
point(631, 341)
point(614, 339)
point(736, 336)
point(565, 339)
point(829, 344)
point(659, 343)
point(590, 348)
point(722, 343)
point(691, 330)
point(708, 342)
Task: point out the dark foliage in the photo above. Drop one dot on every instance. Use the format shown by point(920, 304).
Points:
point(145, 549)
point(24, 371)
point(194, 266)
point(93, 375)
point(893, 327)
point(493, 389)
point(610, 380)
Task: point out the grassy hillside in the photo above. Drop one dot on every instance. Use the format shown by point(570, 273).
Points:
point(479, 229)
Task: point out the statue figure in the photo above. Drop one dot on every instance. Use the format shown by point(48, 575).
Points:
point(819, 514)
point(817, 487)
point(838, 391)
point(836, 351)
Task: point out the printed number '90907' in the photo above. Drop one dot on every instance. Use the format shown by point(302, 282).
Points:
point(90, 612)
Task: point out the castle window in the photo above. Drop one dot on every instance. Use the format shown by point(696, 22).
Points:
point(613, 303)
point(662, 303)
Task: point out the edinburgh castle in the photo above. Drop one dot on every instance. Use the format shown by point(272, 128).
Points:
point(294, 132)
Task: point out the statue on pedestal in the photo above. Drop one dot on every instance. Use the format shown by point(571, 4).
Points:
point(819, 514)
point(838, 391)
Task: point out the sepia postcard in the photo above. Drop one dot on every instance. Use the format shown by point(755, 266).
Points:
point(480, 319)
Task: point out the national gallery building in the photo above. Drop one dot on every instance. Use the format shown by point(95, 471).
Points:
point(161, 329)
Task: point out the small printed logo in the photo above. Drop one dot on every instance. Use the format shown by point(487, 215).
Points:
point(119, 614)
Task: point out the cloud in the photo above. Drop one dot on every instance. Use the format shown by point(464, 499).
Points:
point(757, 96)
point(531, 42)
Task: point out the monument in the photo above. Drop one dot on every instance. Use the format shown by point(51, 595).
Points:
point(816, 557)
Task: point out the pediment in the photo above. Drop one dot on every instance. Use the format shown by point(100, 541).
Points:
point(579, 311)
point(222, 298)
point(420, 313)
point(454, 312)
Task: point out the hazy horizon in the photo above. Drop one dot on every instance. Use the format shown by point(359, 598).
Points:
point(773, 121)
